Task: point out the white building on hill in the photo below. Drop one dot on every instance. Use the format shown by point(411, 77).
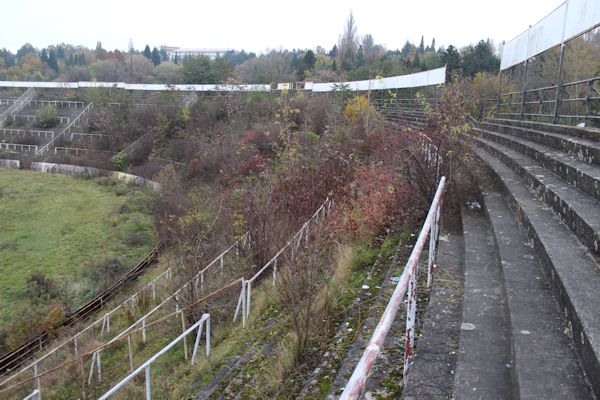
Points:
point(180, 53)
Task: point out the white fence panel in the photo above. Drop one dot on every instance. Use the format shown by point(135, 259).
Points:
point(567, 21)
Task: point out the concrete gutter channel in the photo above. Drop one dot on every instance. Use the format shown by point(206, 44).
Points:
point(432, 373)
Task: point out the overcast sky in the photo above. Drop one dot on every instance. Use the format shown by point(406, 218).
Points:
point(259, 25)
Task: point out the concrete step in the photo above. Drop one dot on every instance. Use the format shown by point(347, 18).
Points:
point(545, 366)
point(573, 273)
point(575, 208)
point(583, 133)
point(484, 366)
point(583, 149)
point(578, 173)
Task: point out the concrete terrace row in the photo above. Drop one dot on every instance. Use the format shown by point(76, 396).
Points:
point(529, 247)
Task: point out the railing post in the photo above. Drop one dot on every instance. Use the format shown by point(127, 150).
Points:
point(558, 97)
point(249, 296)
point(183, 328)
point(411, 308)
point(148, 384)
point(197, 342)
point(499, 84)
point(38, 384)
point(130, 351)
point(144, 330)
point(524, 82)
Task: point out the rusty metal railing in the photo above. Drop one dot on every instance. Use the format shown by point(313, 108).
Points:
point(406, 285)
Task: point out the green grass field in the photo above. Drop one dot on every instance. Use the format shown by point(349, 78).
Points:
point(57, 225)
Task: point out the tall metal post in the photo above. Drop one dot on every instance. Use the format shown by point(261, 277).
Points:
point(499, 82)
point(524, 83)
point(558, 98)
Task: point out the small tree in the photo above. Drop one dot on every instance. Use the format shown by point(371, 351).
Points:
point(52, 61)
point(47, 117)
point(147, 53)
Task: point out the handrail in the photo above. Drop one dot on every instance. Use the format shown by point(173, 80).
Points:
point(246, 293)
point(17, 105)
point(146, 366)
point(67, 128)
point(407, 283)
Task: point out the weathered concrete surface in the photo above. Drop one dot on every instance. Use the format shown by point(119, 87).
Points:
point(545, 363)
point(484, 365)
point(576, 172)
point(431, 376)
point(577, 209)
point(573, 272)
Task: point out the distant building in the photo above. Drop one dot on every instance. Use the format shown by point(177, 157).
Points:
point(180, 53)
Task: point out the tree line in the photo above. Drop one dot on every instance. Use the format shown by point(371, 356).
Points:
point(353, 57)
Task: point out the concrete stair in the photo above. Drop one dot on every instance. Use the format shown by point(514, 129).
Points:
point(540, 192)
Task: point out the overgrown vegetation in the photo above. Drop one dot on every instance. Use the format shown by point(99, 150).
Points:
point(62, 240)
point(253, 167)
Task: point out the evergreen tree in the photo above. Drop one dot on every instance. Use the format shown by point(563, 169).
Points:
point(360, 56)
point(432, 44)
point(60, 52)
point(334, 51)
point(147, 53)
point(422, 46)
point(24, 50)
point(309, 60)
point(155, 57)
point(451, 58)
point(44, 56)
point(334, 66)
point(405, 52)
point(52, 62)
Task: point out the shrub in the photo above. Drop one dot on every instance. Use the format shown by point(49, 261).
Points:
point(47, 117)
point(41, 288)
point(105, 272)
point(33, 321)
point(120, 162)
point(136, 239)
point(121, 189)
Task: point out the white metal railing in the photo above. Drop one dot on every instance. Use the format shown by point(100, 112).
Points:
point(17, 105)
point(198, 283)
point(67, 129)
point(142, 323)
point(292, 245)
point(18, 147)
point(406, 285)
point(34, 118)
point(104, 321)
point(93, 136)
point(35, 395)
point(26, 133)
point(145, 367)
point(56, 103)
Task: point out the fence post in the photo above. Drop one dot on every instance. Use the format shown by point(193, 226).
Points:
point(144, 330)
point(524, 83)
point(410, 321)
point(274, 271)
point(431, 255)
point(130, 353)
point(558, 98)
point(37, 381)
point(148, 384)
point(249, 296)
point(197, 341)
point(185, 349)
